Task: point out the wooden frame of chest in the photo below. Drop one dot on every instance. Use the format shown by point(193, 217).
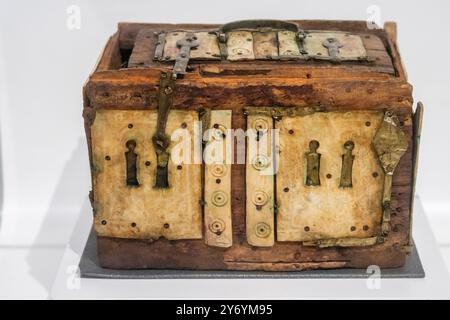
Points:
point(328, 107)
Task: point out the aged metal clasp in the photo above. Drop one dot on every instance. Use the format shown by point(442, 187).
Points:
point(333, 45)
point(186, 45)
point(390, 143)
point(160, 140)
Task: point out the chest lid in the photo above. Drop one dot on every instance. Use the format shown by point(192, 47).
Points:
point(259, 41)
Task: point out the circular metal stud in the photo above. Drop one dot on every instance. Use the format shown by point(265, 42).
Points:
point(217, 226)
point(260, 198)
point(260, 162)
point(219, 198)
point(262, 230)
point(218, 170)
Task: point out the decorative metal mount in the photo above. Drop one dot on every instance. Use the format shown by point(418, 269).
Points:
point(390, 143)
point(160, 139)
point(186, 44)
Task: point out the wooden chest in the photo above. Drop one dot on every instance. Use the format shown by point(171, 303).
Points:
point(254, 145)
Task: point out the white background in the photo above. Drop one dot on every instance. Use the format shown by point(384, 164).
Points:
point(44, 172)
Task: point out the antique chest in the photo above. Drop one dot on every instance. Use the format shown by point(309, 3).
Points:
point(253, 145)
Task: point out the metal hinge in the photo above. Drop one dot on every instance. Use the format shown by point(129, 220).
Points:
point(185, 45)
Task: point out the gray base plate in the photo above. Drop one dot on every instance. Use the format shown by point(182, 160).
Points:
point(89, 268)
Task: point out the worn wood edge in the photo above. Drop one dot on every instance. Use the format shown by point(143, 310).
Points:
point(285, 266)
point(110, 52)
point(393, 50)
point(391, 29)
point(117, 253)
point(417, 131)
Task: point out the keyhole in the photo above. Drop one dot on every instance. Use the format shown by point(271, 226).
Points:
point(131, 162)
point(313, 164)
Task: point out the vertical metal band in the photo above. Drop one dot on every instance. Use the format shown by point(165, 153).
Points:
point(160, 140)
point(390, 144)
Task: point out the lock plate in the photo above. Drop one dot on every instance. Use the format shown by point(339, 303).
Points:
point(350, 46)
point(142, 212)
point(326, 210)
point(208, 47)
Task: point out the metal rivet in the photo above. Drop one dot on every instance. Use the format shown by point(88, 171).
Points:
point(368, 123)
point(366, 227)
point(217, 226)
point(286, 189)
point(353, 228)
point(218, 170)
point(130, 126)
point(329, 175)
point(291, 131)
point(103, 222)
point(260, 198)
point(147, 163)
point(166, 225)
point(219, 132)
point(179, 167)
point(219, 198)
point(133, 224)
point(218, 181)
point(184, 125)
point(306, 228)
point(168, 90)
point(260, 162)
point(374, 174)
point(262, 230)
point(260, 124)
point(107, 158)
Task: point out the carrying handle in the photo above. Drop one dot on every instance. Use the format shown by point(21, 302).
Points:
point(256, 24)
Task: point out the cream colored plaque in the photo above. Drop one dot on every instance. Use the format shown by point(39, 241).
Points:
point(240, 45)
point(352, 47)
point(143, 211)
point(218, 227)
point(265, 45)
point(208, 48)
point(328, 211)
point(260, 182)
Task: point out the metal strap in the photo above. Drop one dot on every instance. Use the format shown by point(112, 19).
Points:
point(160, 139)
